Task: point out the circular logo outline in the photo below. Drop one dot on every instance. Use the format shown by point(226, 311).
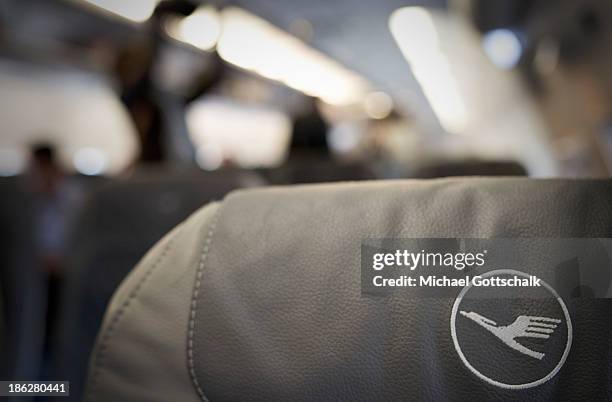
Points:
point(465, 361)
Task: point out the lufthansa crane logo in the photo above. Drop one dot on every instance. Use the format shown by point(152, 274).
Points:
point(523, 327)
point(514, 339)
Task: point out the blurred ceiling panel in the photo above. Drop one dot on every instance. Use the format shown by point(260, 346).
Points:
point(356, 33)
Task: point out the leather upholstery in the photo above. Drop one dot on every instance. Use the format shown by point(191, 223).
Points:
point(258, 297)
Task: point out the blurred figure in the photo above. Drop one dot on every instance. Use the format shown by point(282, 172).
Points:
point(138, 95)
point(141, 94)
point(55, 201)
point(309, 133)
point(310, 158)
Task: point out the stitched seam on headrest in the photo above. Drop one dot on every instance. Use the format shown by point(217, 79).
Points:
point(194, 304)
point(105, 340)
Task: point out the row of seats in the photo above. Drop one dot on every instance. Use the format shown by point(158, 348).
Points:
point(119, 220)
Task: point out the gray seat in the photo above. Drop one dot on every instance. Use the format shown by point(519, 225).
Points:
point(120, 222)
point(3, 345)
point(308, 169)
point(258, 297)
point(22, 284)
point(470, 167)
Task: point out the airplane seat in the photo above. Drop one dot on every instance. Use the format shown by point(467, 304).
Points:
point(2, 328)
point(3, 332)
point(22, 284)
point(470, 167)
point(120, 221)
point(258, 297)
point(317, 170)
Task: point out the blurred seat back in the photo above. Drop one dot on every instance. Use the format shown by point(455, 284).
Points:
point(469, 168)
point(319, 170)
point(119, 223)
point(2, 324)
point(22, 284)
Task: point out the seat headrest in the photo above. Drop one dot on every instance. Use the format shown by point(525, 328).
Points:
point(259, 297)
